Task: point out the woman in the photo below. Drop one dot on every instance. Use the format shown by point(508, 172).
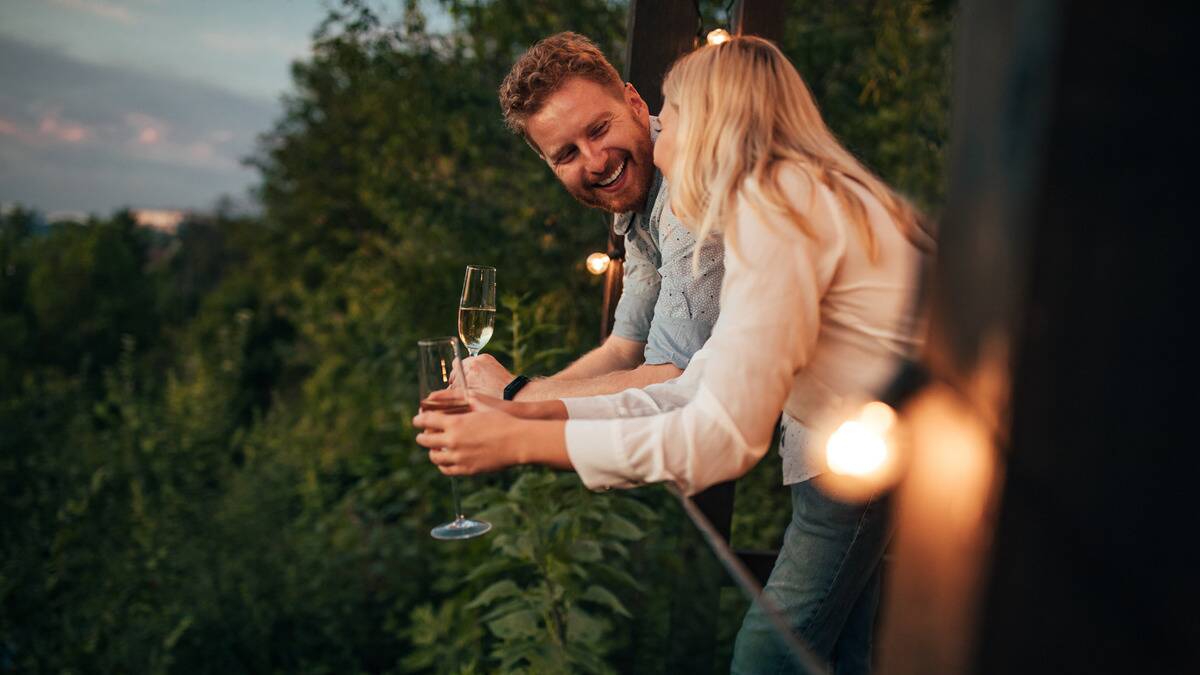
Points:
point(815, 307)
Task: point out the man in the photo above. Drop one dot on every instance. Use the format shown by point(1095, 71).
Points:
point(596, 134)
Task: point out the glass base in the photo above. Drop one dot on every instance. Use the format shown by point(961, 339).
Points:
point(461, 528)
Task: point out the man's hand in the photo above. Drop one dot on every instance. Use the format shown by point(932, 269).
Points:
point(486, 376)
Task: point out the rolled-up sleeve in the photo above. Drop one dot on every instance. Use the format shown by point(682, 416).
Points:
point(640, 285)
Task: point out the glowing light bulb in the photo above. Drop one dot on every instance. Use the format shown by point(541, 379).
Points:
point(597, 263)
point(860, 446)
point(718, 35)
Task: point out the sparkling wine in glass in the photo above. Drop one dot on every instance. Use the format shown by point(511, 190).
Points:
point(441, 392)
point(477, 307)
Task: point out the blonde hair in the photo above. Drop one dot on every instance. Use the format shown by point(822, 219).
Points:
point(744, 113)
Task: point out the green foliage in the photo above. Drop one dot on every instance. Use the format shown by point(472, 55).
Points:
point(880, 72)
point(548, 592)
point(206, 456)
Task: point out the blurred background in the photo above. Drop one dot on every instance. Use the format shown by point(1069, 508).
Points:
point(224, 226)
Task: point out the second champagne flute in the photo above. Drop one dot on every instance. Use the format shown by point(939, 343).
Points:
point(440, 391)
point(477, 307)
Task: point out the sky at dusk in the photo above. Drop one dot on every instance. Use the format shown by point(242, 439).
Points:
point(141, 103)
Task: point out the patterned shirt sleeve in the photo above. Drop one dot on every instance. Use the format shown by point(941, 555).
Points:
point(688, 302)
point(640, 282)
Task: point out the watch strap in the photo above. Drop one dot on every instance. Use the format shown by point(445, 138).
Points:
point(513, 387)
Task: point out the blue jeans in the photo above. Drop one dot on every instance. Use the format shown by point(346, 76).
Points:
point(825, 584)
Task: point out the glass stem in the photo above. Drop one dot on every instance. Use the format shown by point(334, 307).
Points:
point(458, 514)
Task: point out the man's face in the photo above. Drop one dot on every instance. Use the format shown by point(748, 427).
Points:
point(597, 144)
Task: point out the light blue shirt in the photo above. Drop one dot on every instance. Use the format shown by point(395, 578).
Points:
point(662, 303)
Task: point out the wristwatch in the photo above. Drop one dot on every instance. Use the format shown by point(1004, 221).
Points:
point(510, 392)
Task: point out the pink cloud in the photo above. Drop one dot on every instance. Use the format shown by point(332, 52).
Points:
point(69, 132)
point(148, 130)
point(99, 8)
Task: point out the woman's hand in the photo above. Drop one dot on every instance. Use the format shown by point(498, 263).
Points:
point(479, 441)
point(490, 439)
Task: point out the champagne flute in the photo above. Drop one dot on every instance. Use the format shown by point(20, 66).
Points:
point(477, 307)
point(439, 361)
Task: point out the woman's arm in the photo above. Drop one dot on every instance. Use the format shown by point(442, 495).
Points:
point(488, 440)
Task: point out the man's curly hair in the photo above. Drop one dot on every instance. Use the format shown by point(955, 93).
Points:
point(545, 67)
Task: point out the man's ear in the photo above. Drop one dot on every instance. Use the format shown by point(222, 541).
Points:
point(636, 103)
point(533, 146)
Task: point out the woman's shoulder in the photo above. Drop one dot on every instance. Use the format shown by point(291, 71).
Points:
point(795, 179)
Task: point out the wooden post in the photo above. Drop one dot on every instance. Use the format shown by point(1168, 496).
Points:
point(764, 18)
point(658, 32)
point(1060, 320)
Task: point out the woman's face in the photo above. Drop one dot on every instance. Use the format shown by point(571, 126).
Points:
point(664, 147)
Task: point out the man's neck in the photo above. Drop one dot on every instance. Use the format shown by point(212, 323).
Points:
point(655, 179)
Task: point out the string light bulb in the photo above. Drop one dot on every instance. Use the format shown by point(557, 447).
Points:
point(859, 447)
point(718, 35)
point(868, 452)
point(597, 263)
point(863, 454)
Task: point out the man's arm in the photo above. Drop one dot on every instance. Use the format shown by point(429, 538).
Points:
point(642, 376)
point(617, 353)
point(614, 366)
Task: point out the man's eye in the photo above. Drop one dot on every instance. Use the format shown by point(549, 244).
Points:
point(566, 157)
point(599, 131)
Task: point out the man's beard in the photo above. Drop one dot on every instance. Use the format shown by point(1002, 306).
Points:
point(633, 196)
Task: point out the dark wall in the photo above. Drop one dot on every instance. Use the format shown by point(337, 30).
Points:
point(1095, 566)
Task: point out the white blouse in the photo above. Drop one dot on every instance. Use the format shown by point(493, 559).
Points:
point(805, 322)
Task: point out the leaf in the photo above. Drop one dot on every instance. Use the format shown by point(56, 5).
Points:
point(507, 608)
point(500, 515)
point(180, 628)
point(515, 625)
point(618, 548)
point(481, 498)
point(634, 508)
point(492, 567)
point(620, 527)
point(584, 628)
point(586, 550)
point(602, 596)
point(500, 589)
point(615, 574)
point(585, 660)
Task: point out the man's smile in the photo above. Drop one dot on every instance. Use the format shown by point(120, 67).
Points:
point(615, 180)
